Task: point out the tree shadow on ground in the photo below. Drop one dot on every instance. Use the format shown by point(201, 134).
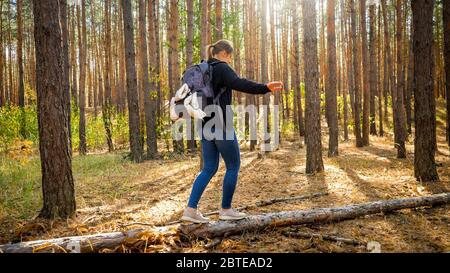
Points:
point(407, 224)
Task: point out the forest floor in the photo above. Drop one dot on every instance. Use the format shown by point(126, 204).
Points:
point(112, 192)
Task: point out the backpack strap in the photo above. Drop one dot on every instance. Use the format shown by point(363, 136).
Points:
point(204, 67)
point(217, 98)
point(223, 89)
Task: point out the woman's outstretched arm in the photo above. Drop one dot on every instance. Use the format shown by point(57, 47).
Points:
point(233, 81)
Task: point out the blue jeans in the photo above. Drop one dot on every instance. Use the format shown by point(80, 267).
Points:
point(229, 150)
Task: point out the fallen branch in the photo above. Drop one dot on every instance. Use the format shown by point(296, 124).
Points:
point(320, 215)
point(333, 238)
point(257, 204)
point(263, 203)
point(94, 243)
point(79, 244)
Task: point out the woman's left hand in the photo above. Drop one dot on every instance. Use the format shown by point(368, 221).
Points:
point(275, 86)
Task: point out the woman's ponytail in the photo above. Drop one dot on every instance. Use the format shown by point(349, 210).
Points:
point(209, 51)
point(219, 46)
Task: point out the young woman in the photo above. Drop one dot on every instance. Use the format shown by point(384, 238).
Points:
point(224, 76)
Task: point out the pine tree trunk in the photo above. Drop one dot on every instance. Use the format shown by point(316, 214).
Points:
point(253, 65)
point(381, 75)
point(446, 13)
point(219, 20)
point(349, 61)
point(365, 73)
point(331, 96)
point(82, 60)
point(345, 72)
point(21, 88)
point(399, 110)
point(139, 76)
point(145, 82)
point(2, 89)
point(373, 75)
point(174, 76)
point(424, 102)
point(89, 80)
point(322, 51)
point(32, 58)
point(294, 75)
point(356, 75)
point(285, 51)
point(296, 69)
point(66, 65)
point(98, 66)
point(314, 162)
point(276, 75)
point(121, 88)
point(11, 96)
point(191, 143)
point(389, 75)
point(107, 105)
point(158, 54)
point(436, 55)
point(73, 60)
point(409, 85)
point(203, 29)
point(263, 42)
point(190, 33)
point(265, 67)
point(94, 77)
point(153, 49)
point(235, 7)
point(203, 54)
point(249, 73)
point(56, 163)
point(133, 103)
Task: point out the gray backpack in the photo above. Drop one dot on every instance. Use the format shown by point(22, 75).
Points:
point(199, 79)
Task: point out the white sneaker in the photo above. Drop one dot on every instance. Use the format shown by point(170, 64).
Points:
point(195, 217)
point(231, 215)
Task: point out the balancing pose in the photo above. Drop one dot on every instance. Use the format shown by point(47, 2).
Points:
point(225, 79)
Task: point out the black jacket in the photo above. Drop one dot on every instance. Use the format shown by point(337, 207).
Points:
point(225, 77)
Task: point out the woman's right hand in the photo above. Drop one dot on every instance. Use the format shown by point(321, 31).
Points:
point(275, 86)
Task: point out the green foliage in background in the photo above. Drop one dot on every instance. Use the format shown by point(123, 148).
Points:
point(10, 119)
point(10, 123)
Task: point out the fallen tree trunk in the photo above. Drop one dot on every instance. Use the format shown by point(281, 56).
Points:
point(87, 243)
point(261, 203)
point(94, 243)
point(320, 215)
